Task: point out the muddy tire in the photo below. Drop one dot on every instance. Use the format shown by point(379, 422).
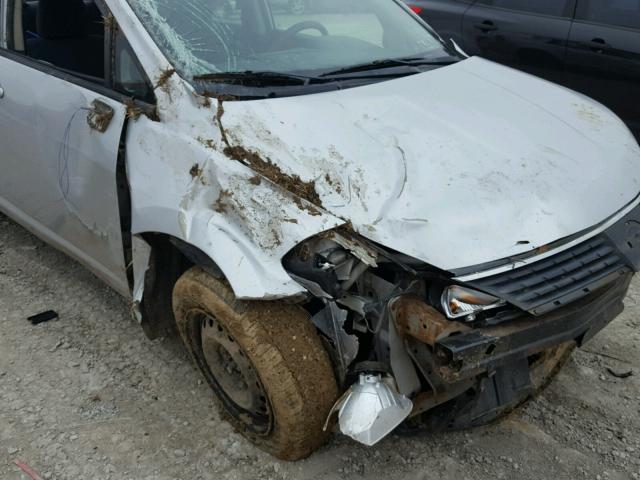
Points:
point(271, 376)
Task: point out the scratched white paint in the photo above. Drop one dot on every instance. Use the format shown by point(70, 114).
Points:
point(456, 167)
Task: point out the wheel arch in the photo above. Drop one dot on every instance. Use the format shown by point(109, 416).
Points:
point(158, 261)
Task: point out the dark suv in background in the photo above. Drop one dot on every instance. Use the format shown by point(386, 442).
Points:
point(592, 46)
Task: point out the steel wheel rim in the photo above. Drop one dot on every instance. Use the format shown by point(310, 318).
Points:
point(232, 376)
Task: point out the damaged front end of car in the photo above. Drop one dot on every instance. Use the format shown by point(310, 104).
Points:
point(410, 340)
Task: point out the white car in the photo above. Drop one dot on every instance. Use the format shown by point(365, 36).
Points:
point(343, 217)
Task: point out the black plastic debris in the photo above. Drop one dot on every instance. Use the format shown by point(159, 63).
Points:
point(43, 317)
point(620, 374)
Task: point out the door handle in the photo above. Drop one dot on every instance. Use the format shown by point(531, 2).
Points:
point(597, 45)
point(1, 92)
point(486, 26)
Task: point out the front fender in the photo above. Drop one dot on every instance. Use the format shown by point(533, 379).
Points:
point(185, 187)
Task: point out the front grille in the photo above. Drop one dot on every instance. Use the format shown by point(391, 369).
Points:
point(557, 280)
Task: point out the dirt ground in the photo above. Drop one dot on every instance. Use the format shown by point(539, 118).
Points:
point(89, 397)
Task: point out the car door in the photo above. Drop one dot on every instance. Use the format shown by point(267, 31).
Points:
point(61, 132)
point(603, 55)
point(444, 16)
point(530, 35)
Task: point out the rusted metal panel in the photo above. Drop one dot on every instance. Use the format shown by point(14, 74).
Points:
point(414, 317)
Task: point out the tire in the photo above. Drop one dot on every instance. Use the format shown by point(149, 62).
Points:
point(265, 362)
point(549, 364)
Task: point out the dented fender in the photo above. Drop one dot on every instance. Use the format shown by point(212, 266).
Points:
point(185, 186)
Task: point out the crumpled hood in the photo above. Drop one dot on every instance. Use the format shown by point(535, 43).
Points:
point(457, 166)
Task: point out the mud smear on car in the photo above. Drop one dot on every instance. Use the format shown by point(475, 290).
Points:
point(590, 114)
point(209, 143)
point(220, 206)
point(266, 168)
point(134, 111)
point(335, 185)
point(109, 21)
point(229, 205)
point(163, 81)
point(195, 171)
point(100, 116)
point(269, 170)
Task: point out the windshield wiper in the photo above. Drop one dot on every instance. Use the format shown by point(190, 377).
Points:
point(390, 63)
point(265, 78)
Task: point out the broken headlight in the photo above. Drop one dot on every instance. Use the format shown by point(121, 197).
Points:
point(328, 265)
point(460, 301)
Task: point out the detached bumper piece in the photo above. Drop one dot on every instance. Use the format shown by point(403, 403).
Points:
point(371, 409)
point(486, 349)
point(565, 277)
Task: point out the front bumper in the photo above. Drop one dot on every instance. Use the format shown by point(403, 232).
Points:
point(482, 350)
point(557, 278)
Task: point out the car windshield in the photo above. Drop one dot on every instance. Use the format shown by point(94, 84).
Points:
point(285, 37)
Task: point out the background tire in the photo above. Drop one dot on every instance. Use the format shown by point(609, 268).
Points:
point(264, 361)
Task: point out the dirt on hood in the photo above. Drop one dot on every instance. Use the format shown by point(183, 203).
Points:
point(266, 168)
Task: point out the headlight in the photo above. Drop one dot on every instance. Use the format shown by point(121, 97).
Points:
point(330, 263)
point(464, 302)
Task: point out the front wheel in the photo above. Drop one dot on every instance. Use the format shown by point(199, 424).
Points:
point(263, 360)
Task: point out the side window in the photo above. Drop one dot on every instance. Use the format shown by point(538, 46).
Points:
point(554, 8)
point(65, 34)
point(620, 13)
point(128, 77)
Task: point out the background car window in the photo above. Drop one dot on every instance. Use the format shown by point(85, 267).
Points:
point(340, 17)
point(622, 13)
point(555, 8)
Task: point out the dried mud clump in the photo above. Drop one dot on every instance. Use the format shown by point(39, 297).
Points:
point(109, 21)
point(207, 142)
point(195, 171)
point(331, 183)
point(163, 81)
point(219, 115)
point(266, 168)
point(164, 77)
point(133, 110)
point(220, 206)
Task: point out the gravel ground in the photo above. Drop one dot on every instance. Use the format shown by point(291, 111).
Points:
point(89, 397)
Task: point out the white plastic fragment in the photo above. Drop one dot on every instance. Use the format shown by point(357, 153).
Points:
point(372, 408)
